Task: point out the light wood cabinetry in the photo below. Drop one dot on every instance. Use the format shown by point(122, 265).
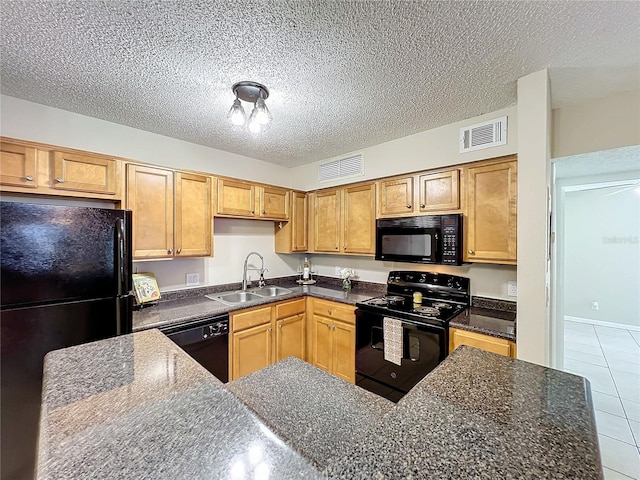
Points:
point(333, 337)
point(247, 200)
point(417, 194)
point(83, 173)
point(193, 219)
point(18, 165)
point(261, 336)
point(344, 220)
point(491, 219)
point(152, 196)
point(37, 169)
point(500, 346)
point(291, 237)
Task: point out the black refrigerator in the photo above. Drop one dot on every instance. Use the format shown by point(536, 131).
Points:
point(65, 280)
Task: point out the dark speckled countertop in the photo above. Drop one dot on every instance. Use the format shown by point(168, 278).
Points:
point(137, 406)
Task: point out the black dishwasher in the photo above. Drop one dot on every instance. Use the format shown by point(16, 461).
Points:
point(207, 341)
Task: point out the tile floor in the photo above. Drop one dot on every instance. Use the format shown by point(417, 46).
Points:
point(610, 359)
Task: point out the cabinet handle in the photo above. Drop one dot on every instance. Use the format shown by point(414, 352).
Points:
point(470, 252)
point(337, 247)
point(330, 311)
point(263, 212)
point(179, 251)
point(270, 329)
point(345, 247)
point(59, 179)
point(422, 205)
point(29, 178)
point(170, 251)
point(408, 206)
point(280, 326)
point(253, 211)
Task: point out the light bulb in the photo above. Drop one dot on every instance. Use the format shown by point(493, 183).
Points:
point(253, 125)
point(263, 116)
point(236, 115)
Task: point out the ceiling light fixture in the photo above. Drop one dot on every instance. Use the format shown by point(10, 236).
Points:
point(250, 92)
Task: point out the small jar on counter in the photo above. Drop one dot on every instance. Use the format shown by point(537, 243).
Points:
point(417, 298)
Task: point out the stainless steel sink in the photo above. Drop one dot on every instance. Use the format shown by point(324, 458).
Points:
point(271, 291)
point(235, 298)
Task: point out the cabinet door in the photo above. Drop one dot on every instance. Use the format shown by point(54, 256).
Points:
point(194, 221)
point(18, 165)
point(150, 196)
point(395, 197)
point(344, 351)
point(322, 343)
point(484, 342)
point(440, 191)
point(251, 350)
point(274, 203)
point(300, 222)
point(358, 219)
point(327, 221)
point(236, 198)
point(492, 215)
point(83, 173)
point(290, 337)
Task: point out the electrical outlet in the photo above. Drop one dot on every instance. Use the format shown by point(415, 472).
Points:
point(337, 272)
point(512, 288)
point(193, 279)
point(594, 306)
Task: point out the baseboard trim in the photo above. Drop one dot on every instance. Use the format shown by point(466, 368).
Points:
point(600, 323)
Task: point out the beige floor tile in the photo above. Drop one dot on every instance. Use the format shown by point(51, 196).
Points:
point(619, 456)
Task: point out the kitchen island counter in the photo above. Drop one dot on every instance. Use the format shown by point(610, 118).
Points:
point(138, 407)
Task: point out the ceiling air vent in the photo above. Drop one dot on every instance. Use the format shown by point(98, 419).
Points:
point(483, 135)
point(341, 168)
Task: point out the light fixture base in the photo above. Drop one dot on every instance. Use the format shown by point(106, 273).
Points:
point(250, 91)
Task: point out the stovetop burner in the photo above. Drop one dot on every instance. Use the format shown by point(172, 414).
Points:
point(444, 296)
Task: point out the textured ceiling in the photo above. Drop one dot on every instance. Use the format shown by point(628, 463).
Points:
point(617, 160)
point(343, 75)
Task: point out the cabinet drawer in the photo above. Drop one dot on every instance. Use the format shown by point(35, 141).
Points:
point(478, 340)
point(335, 310)
point(287, 309)
point(250, 318)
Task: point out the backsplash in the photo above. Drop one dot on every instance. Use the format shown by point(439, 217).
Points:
point(494, 304)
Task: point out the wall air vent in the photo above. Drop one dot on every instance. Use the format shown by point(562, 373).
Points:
point(483, 135)
point(342, 168)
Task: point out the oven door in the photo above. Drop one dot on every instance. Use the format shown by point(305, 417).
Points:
point(423, 348)
point(415, 245)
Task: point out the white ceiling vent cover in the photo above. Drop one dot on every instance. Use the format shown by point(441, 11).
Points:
point(483, 135)
point(342, 168)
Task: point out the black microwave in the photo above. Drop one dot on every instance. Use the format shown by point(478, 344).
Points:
point(424, 239)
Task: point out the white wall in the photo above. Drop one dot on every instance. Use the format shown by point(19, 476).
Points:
point(598, 125)
point(422, 151)
point(32, 121)
point(602, 254)
point(534, 135)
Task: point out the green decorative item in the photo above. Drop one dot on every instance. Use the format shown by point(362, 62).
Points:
point(346, 274)
point(346, 284)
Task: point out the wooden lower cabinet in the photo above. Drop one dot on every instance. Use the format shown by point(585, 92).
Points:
point(333, 338)
point(261, 336)
point(485, 342)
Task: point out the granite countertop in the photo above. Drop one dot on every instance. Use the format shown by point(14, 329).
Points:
point(483, 416)
point(488, 316)
point(291, 398)
point(183, 310)
point(137, 406)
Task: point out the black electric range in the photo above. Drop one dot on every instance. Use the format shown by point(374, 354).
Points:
point(401, 338)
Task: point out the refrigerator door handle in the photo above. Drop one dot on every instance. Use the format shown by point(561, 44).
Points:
point(121, 270)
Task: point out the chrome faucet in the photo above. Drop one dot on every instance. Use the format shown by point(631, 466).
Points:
point(245, 268)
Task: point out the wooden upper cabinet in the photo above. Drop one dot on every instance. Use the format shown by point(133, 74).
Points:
point(150, 196)
point(274, 203)
point(358, 219)
point(491, 212)
point(193, 219)
point(395, 197)
point(18, 165)
point(326, 231)
point(439, 191)
point(82, 173)
point(236, 198)
point(300, 220)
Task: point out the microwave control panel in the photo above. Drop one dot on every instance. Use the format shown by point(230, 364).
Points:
point(451, 227)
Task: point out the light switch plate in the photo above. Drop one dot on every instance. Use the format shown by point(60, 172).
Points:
point(512, 288)
point(193, 279)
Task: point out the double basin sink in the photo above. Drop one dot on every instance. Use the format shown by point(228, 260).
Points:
point(238, 297)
